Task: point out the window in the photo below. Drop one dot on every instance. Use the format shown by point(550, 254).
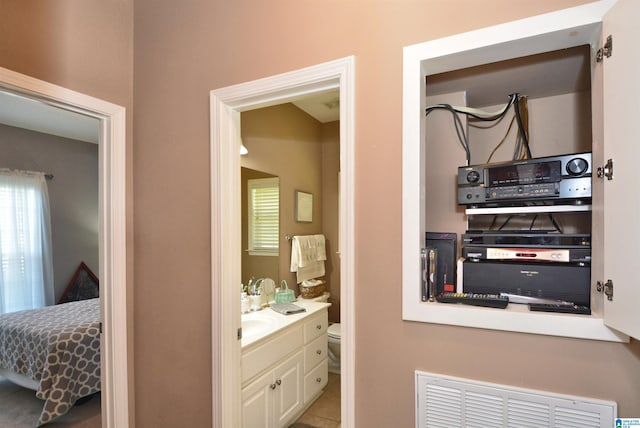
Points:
point(26, 270)
point(264, 216)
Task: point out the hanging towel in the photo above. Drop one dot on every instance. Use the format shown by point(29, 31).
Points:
point(308, 254)
point(306, 250)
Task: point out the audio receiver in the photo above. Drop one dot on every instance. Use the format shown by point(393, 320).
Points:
point(553, 179)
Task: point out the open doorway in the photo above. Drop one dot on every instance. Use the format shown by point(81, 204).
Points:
point(112, 230)
point(227, 104)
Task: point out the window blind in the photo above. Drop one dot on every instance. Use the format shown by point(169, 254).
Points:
point(264, 216)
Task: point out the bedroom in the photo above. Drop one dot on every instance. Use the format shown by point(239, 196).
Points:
point(71, 162)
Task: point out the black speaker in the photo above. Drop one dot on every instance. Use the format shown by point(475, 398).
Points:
point(446, 246)
point(570, 282)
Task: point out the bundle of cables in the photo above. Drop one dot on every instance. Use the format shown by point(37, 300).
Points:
point(519, 103)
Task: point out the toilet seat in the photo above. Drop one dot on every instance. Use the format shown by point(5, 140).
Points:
point(334, 331)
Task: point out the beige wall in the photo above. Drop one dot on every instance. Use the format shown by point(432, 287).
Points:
point(185, 49)
point(86, 47)
point(182, 52)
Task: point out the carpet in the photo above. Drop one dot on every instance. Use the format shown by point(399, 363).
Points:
point(20, 408)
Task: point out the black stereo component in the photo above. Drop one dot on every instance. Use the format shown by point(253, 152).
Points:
point(535, 254)
point(445, 245)
point(553, 179)
point(526, 239)
point(570, 282)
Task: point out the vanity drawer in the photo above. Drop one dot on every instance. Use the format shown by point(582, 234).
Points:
point(316, 326)
point(315, 352)
point(315, 380)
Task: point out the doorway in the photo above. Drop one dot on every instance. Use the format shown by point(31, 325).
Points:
point(226, 106)
point(112, 224)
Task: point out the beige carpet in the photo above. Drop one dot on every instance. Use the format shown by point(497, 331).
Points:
point(20, 408)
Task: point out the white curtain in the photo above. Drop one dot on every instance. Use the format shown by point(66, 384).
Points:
point(26, 279)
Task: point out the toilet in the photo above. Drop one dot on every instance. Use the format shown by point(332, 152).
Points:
point(333, 334)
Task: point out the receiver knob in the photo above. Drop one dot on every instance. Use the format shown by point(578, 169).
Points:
point(473, 176)
point(577, 166)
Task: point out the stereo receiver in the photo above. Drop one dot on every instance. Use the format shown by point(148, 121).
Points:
point(553, 179)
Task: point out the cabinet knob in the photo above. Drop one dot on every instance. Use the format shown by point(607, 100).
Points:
point(279, 382)
point(319, 326)
point(272, 386)
point(319, 352)
point(318, 379)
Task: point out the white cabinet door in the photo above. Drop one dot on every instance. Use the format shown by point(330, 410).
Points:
point(622, 146)
point(257, 403)
point(288, 394)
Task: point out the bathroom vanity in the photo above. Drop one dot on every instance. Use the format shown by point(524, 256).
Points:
point(284, 364)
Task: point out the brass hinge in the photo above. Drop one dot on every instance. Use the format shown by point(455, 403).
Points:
point(605, 51)
point(607, 287)
point(606, 170)
point(240, 333)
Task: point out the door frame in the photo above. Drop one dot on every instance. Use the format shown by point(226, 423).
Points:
point(112, 241)
point(226, 104)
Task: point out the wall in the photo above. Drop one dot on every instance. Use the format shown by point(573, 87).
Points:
point(330, 209)
point(182, 52)
point(73, 194)
point(86, 47)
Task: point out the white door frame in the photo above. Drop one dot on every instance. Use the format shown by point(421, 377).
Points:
point(226, 105)
point(112, 252)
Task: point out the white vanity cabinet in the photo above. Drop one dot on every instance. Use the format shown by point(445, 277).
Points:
point(316, 363)
point(275, 398)
point(284, 372)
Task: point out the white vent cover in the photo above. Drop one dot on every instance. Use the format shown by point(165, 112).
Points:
point(443, 401)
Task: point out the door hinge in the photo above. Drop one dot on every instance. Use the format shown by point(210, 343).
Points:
point(607, 287)
point(240, 333)
point(100, 327)
point(606, 171)
point(605, 51)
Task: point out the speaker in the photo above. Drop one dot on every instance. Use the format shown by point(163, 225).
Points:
point(446, 245)
point(570, 282)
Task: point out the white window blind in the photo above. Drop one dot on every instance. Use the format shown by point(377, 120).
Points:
point(264, 216)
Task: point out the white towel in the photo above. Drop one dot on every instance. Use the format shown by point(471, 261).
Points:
point(311, 271)
point(308, 254)
point(306, 250)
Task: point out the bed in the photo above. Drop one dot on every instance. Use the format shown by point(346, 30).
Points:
point(54, 350)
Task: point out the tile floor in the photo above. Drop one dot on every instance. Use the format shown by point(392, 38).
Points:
point(325, 412)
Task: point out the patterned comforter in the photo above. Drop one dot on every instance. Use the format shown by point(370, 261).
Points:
point(58, 346)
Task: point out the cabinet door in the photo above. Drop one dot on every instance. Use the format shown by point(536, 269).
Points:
point(257, 403)
point(622, 145)
point(288, 395)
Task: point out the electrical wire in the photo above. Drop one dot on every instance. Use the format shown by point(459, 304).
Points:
point(462, 136)
point(519, 103)
point(513, 119)
point(522, 117)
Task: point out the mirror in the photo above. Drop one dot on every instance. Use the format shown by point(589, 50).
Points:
point(255, 263)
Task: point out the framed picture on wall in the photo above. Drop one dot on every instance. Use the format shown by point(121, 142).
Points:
point(83, 285)
point(304, 207)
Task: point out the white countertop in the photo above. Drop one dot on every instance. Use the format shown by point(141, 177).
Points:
point(271, 322)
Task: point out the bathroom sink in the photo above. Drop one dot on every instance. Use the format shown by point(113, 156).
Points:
point(254, 325)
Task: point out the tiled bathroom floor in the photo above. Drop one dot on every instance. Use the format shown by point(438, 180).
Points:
point(325, 412)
